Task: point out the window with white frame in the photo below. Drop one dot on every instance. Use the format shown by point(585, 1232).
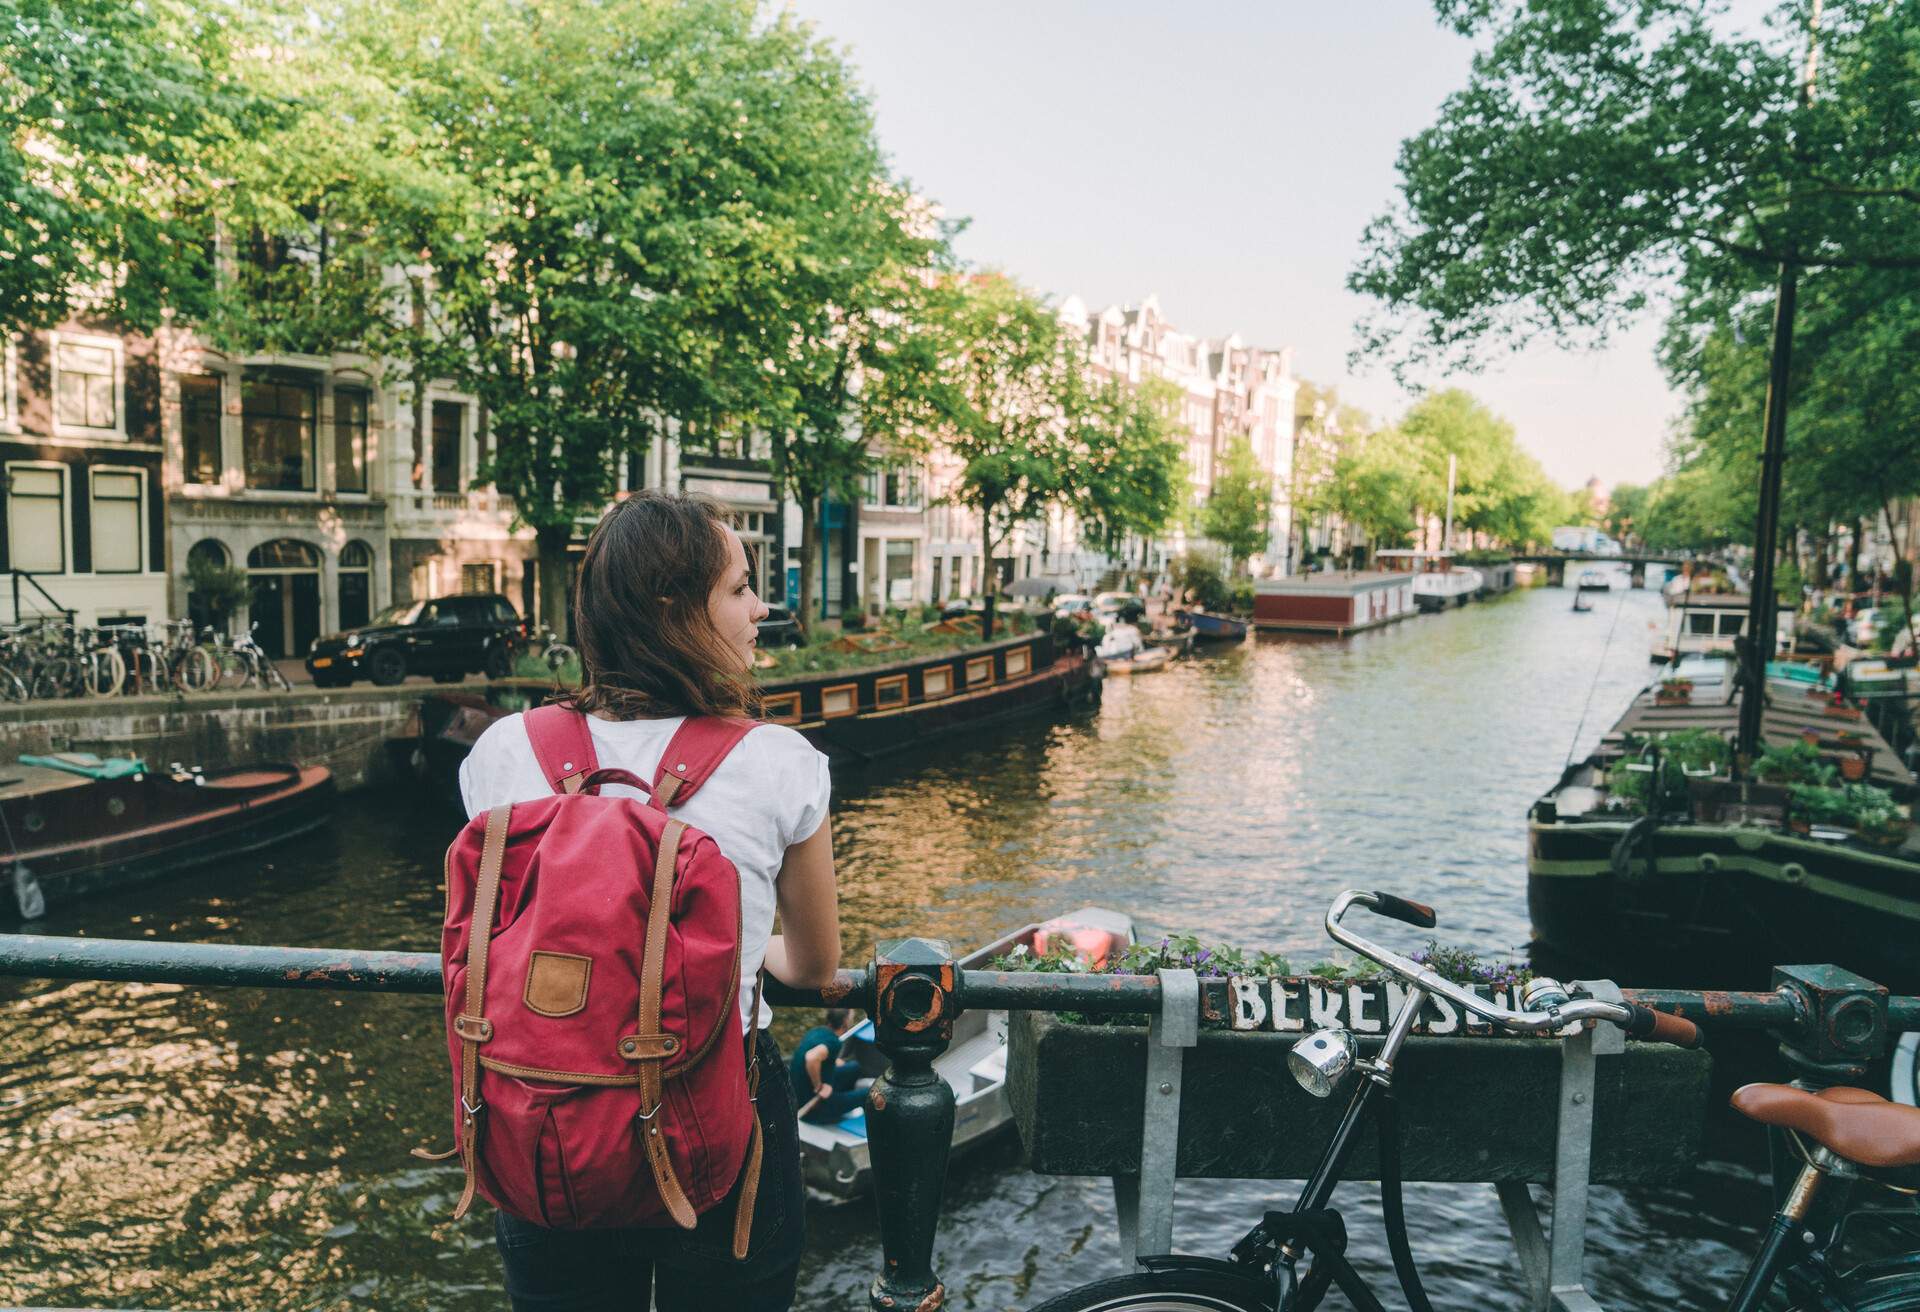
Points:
point(893, 487)
point(116, 521)
point(37, 518)
point(200, 408)
point(87, 376)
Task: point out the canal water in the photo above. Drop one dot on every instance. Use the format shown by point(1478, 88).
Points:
point(194, 1148)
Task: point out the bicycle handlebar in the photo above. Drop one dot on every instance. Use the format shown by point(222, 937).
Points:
point(1638, 1021)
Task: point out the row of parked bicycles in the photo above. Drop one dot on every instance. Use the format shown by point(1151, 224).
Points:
point(50, 658)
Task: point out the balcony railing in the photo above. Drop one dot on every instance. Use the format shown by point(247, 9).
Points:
point(478, 501)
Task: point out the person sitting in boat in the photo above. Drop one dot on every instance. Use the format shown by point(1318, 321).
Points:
point(823, 1085)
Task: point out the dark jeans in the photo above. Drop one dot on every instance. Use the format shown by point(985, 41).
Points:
point(686, 1270)
point(845, 1097)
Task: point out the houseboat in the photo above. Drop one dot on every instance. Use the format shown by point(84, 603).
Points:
point(1437, 582)
point(1332, 602)
point(76, 824)
point(1594, 580)
point(851, 715)
point(1704, 622)
point(1669, 872)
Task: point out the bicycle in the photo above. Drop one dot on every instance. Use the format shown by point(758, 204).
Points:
point(1841, 1134)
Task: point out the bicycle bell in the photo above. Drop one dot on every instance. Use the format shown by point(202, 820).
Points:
point(1321, 1060)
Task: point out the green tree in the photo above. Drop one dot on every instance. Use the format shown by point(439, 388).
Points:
point(627, 198)
point(856, 377)
point(1011, 406)
point(1600, 145)
point(1238, 513)
point(120, 121)
point(1131, 474)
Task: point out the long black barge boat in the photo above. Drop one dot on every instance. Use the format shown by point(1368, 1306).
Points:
point(1705, 881)
point(852, 715)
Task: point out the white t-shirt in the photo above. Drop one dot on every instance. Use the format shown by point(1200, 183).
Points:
point(770, 793)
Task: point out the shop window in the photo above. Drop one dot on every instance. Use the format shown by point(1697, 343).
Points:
point(277, 434)
point(86, 386)
point(200, 428)
point(350, 439)
point(37, 519)
point(116, 521)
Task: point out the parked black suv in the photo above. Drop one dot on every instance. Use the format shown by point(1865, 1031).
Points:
point(448, 637)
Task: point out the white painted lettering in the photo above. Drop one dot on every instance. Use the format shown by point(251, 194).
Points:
point(1249, 1006)
point(1449, 1020)
point(1323, 1005)
point(1287, 1012)
point(1363, 1009)
point(1477, 1024)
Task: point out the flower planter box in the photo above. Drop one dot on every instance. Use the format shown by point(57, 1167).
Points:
point(1471, 1109)
point(1664, 698)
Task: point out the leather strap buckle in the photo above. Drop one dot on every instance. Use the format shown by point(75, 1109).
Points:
point(471, 1109)
point(474, 1029)
point(647, 1116)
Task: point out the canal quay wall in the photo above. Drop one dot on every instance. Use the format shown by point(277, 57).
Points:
point(348, 730)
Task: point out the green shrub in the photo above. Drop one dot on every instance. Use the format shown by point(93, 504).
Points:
point(1201, 577)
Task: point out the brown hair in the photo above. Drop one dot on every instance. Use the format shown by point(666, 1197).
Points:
point(647, 645)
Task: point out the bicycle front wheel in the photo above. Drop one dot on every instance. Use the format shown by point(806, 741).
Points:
point(103, 672)
point(196, 670)
point(1167, 1291)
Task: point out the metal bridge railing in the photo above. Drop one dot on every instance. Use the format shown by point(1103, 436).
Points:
point(1831, 1025)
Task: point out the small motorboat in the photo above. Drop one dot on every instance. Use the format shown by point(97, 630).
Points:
point(1179, 641)
point(1213, 628)
point(1593, 580)
point(1580, 603)
point(1143, 662)
point(834, 1157)
point(74, 823)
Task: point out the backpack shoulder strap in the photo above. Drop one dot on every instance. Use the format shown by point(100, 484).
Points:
point(694, 753)
point(562, 744)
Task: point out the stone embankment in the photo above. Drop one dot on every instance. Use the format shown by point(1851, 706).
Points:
point(347, 730)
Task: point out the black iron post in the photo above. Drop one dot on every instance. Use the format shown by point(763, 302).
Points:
point(1764, 603)
point(910, 1116)
point(1841, 1027)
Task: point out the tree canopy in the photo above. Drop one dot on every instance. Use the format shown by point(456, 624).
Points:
point(1602, 147)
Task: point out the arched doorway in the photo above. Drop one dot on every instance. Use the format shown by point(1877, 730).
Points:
point(356, 584)
point(206, 609)
point(286, 596)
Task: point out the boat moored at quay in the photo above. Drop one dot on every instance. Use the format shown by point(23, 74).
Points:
point(77, 824)
point(1649, 861)
point(849, 714)
point(1336, 601)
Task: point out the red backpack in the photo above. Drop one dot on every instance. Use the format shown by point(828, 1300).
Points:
point(593, 1081)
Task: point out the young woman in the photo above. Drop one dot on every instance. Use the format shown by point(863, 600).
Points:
point(665, 619)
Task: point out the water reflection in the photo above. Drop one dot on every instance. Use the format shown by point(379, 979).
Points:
point(220, 1148)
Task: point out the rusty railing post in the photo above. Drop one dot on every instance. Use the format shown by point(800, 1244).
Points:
point(1840, 1029)
point(910, 1116)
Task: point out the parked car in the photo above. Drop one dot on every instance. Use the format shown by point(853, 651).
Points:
point(448, 638)
point(781, 629)
point(1111, 602)
point(1071, 602)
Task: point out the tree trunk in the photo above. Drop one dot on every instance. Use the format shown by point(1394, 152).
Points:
point(1853, 558)
point(989, 581)
point(556, 601)
point(809, 560)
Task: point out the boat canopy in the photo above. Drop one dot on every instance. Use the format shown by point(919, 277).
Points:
point(89, 765)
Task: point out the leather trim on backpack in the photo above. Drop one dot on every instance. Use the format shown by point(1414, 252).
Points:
point(559, 1077)
point(471, 1024)
point(557, 983)
point(652, 972)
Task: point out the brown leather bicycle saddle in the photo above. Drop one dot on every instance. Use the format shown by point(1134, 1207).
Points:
point(1860, 1126)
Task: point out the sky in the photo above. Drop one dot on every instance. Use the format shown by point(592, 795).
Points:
point(1224, 157)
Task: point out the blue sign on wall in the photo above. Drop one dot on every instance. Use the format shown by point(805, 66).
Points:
point(793, 585)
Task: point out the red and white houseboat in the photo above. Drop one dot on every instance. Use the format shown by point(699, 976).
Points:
point(1333, 602)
